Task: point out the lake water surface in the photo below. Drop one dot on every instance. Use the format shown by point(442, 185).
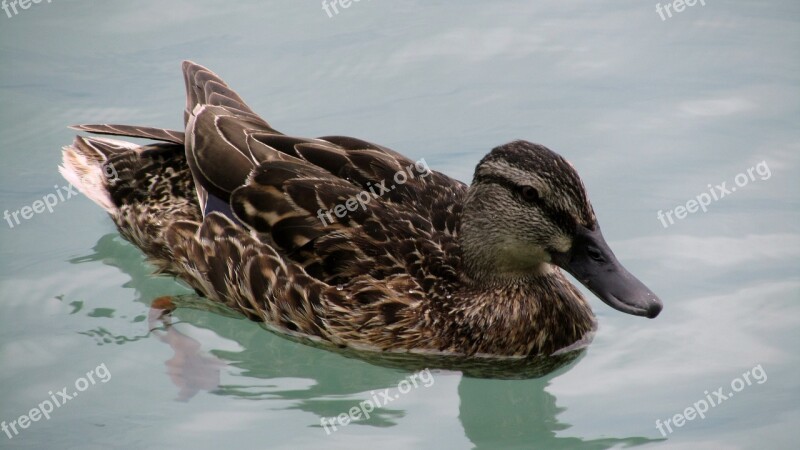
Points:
point(653, 113)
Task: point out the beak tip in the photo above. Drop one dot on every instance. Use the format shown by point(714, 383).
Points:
point(654, 309)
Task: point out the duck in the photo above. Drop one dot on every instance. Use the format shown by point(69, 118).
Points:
point(346, 243)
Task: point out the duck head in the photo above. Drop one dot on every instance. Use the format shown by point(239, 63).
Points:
point(526, 211)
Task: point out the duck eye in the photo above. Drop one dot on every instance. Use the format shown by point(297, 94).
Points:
point(595, 254)
point(529, 194)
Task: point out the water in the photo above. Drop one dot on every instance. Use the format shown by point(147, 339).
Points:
point(650, 112)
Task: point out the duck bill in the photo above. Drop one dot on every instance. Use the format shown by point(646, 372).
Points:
point(592, 262)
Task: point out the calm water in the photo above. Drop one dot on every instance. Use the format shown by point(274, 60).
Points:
point(650, 111)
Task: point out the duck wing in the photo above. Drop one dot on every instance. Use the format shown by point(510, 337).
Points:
point(338, 212)
point(340, 207)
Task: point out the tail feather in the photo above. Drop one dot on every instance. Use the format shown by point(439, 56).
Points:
point(157, 134)
point(85, 166)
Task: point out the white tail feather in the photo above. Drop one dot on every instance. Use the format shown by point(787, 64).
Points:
point(88, 176)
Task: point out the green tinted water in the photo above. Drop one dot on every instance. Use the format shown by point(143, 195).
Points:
point(650, 112)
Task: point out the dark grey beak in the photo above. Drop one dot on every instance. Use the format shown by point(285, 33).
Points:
point(592, 262)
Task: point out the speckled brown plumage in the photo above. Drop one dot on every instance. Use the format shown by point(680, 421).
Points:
point(388, 277)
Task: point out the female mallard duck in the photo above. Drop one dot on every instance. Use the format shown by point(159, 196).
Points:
point(311, 237)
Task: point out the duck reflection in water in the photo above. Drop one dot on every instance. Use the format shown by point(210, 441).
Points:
point(190, 369)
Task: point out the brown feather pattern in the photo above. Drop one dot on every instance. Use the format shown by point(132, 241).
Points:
point(385, 277)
